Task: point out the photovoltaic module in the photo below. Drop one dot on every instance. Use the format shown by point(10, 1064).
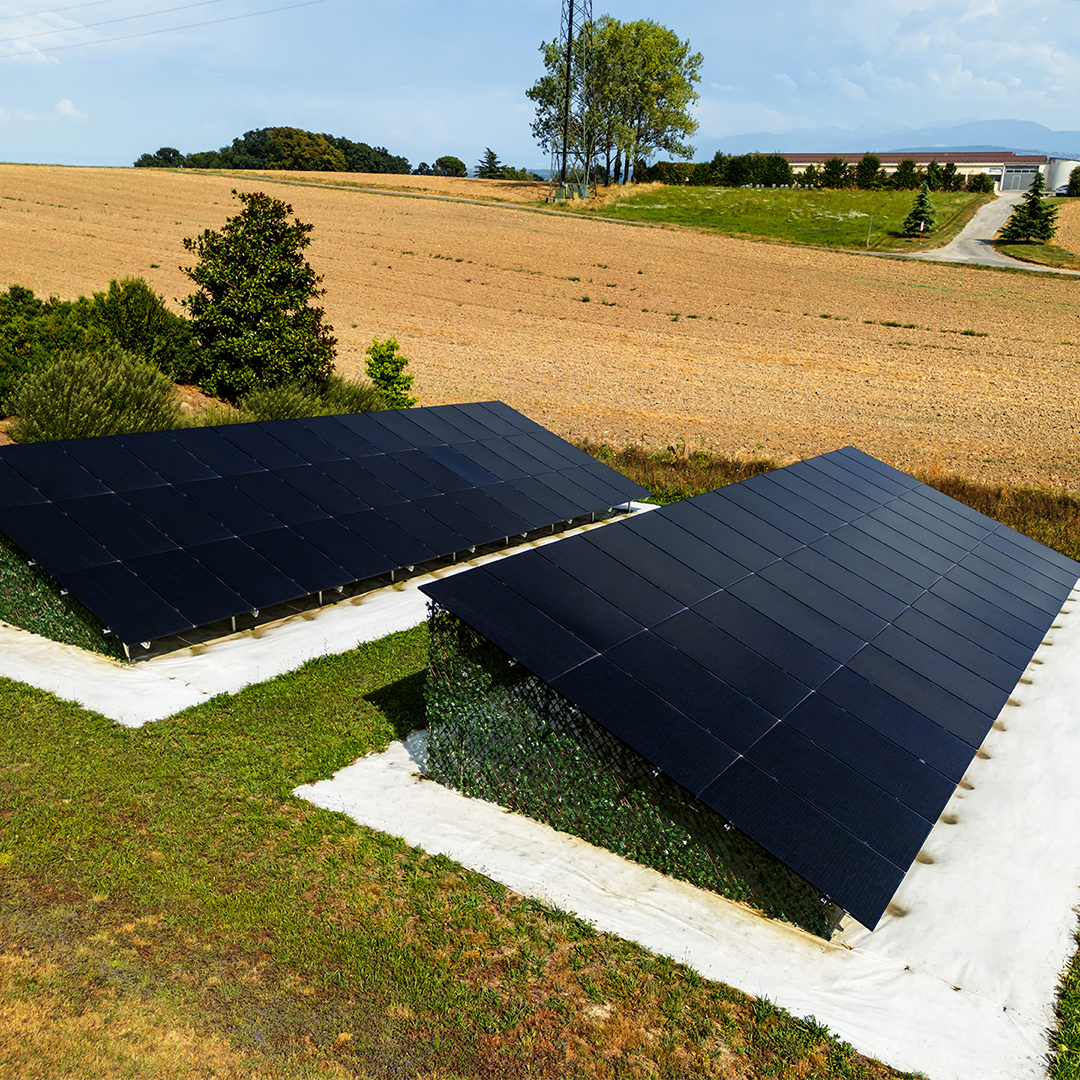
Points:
point(816, 653)
point(160, 532)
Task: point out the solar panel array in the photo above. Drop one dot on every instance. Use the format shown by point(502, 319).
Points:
point(816, 653)
point(160, 532)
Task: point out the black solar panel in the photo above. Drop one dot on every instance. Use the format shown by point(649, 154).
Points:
point(188, 527)
point(817, 653)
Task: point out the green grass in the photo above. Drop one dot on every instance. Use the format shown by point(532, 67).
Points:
point(825, 218)
point(162, 881)
point(1042, 254)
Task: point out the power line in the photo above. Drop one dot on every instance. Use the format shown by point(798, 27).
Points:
point(167, 30)
point(107, 22)
point(56, 11)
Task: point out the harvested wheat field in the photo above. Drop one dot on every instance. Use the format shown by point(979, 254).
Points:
point(620, 332)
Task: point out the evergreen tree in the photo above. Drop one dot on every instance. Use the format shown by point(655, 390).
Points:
point(906, 176)
point(1074, 183)
point(1032, 219)
point(489, 168)
point(835, 173)
point(866, 172)
point(252, 312)
point(921, 218)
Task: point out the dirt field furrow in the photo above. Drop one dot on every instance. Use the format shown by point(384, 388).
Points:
point(621, 332)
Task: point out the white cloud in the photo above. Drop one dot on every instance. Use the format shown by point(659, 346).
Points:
point(65, 108)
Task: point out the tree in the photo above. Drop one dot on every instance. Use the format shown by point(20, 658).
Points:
point(639, 88)
point(1033, 219)
point(866, 172)
point(251, 313)
point(386, 370)
point(906, 177)
point(167, 157)
point(448, 165)
point(489, 167)
point(1074, 184)
point(835, 173)
point(922, 218)
point(301, 151)
point(933, 175)
point(951, 179)
point(980, 184)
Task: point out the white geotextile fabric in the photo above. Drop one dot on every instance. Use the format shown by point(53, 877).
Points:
point(134, 694)
point(957, 981)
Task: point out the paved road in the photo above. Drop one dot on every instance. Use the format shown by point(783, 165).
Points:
point(973, 244)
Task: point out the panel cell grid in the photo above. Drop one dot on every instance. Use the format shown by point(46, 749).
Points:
point(285, 508)
point(861, 633)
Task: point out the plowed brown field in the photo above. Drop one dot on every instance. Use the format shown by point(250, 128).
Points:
point(621, 332)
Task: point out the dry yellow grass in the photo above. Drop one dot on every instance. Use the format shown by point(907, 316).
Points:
point(686, 338)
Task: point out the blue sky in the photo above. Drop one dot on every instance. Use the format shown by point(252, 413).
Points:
point(429, 78)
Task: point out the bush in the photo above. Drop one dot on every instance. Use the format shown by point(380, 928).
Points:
point(385, 368)
point(285, 402)
point(137, 320)
point(108, 392)
point(129, 314)
point(293, 400)
point(980, 184)
point(353, 395)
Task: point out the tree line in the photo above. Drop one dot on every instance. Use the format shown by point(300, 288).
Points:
point(774, 170)
point(293, 149)
point(283, 148)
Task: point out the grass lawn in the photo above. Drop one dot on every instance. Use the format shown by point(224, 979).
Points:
point(169, 909)
point(1043, 254)
point(825, 218)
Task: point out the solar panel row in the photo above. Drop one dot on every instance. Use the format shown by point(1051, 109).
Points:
point(816, 653)
point(160, 532)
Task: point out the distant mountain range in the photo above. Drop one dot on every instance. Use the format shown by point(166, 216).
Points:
point(1020, 136)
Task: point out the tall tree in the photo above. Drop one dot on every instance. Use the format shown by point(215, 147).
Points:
point(835, 173)
point(489, 167)
point(906, 177)
point(639, 89)
point(866, 172)
point(1033, 219)
point(251, 312)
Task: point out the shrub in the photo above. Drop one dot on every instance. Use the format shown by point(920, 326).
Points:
point(137, 319)
point(980, 184)
point(385, 368)
point(107, 392)
point(287, 401)
point(353, 395)
point(129, 314)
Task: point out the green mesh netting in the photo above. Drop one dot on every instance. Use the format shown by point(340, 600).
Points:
point(497, 732)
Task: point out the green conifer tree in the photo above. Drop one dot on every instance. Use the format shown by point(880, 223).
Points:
point(1033, 219)
point(921, 219)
